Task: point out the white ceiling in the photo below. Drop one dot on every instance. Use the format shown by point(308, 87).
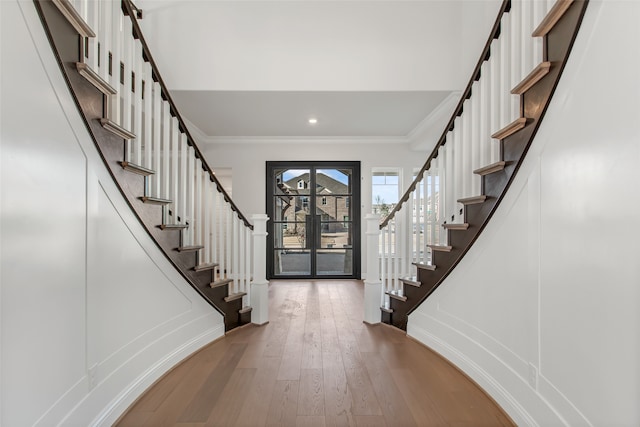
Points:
point(365, 69)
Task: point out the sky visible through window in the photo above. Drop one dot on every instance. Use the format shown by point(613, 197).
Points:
point(333, 173)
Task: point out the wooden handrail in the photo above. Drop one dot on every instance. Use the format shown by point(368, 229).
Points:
point(132, 11)
point(486, 53)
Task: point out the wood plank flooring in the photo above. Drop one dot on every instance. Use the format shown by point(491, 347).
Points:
point(315, 364)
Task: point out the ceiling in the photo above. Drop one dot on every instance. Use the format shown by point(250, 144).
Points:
point(364, 69)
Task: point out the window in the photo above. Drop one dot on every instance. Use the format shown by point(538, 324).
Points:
point(324, 201)
point(301, 184)
point(305, 203)
point(346, 202)
point(385, 187)
point(345, 220)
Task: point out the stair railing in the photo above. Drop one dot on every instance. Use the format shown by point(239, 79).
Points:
point(158, 145)
point(451, 177)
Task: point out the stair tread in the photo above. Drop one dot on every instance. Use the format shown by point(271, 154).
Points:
point(456, 226)
point(552, 17)
point(510, 129)
point(425, 266)
point(220, 282)
point(494, 167)
point(395, 295)
point(204, 267)
point(233, 297)
point(95, 79)
point(155, 200)
point(532, 78)
point(116, 129)
point(386, 309)
point(441, 248)
point(413, 281)
point(190, 248)
point(137, 169)
point(245, 309)
point(173, 226)
point(472, 200)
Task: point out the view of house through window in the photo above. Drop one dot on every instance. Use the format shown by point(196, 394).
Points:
point(385, 190)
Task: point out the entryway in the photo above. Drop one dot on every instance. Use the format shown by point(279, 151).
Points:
point(314, 230)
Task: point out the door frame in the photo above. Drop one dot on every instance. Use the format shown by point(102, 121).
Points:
point(355, 205)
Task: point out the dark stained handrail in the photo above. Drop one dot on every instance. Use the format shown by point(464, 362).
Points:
point(486, 53)
point(132, 11)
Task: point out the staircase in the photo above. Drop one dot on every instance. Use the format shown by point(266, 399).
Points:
point(471, 167)
point(149, 152)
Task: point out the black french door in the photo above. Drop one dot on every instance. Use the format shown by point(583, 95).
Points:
point(314, 226)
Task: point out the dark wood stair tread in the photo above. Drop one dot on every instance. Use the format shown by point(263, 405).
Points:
point(155, 200)
point(245, 309)
point(462, 226)
point(396, 295)
point(472, 200)
point(425, 266)
point(190, 248)
point(534, 77)
point(220, 282)
point(233, 297)
point(552, 17)
point(205, 267)
point(412, 281)
point(510, 129)
point(173, 226)
point(494, 167)
point(116, 129)
point(440, 248)
point(94, 78)
point(137, 169)
point(386, 309)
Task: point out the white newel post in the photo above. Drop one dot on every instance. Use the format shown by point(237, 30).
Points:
point(372, 285)
point(260, 284)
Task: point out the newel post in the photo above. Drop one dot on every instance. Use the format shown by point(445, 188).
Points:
point(260, 284)
point(372, 284)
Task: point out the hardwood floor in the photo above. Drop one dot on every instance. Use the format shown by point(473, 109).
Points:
point(315, 364)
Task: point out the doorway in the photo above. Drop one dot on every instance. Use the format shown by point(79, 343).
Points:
point(314, 227)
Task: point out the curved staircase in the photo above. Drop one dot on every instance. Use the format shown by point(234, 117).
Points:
point(447, 201)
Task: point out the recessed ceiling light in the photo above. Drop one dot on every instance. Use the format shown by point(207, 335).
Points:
point(313, 121)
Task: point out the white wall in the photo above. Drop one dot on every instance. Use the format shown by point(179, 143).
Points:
point(544, 311)
point(91, 312)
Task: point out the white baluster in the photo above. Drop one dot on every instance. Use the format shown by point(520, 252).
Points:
point(221, 229)
point(197, 205)
point(227, 246)
point(476, 139)
point(174, 188)
point(165, 151)
point(527, 40)
point(390, 255)
point(213, 222)
point(136, 153)
point(382, 249)
point(539, 12)
point(467, 143)
point(417, 242)
point(95, 23)
point(485, 131)
point(495, 97)
point(426, 227)
point(206, 219)
point(127, 61)
point(506, 99)
point(235, 251)
point(190, 197)
point(443, 215)
point(182, 178)
point(116, 57)
point(147, 123)
point(156, 139)
point(516, 20)
point(106, 30)
point(247, 267)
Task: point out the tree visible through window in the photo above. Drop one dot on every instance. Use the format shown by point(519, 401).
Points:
point(385, 187)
